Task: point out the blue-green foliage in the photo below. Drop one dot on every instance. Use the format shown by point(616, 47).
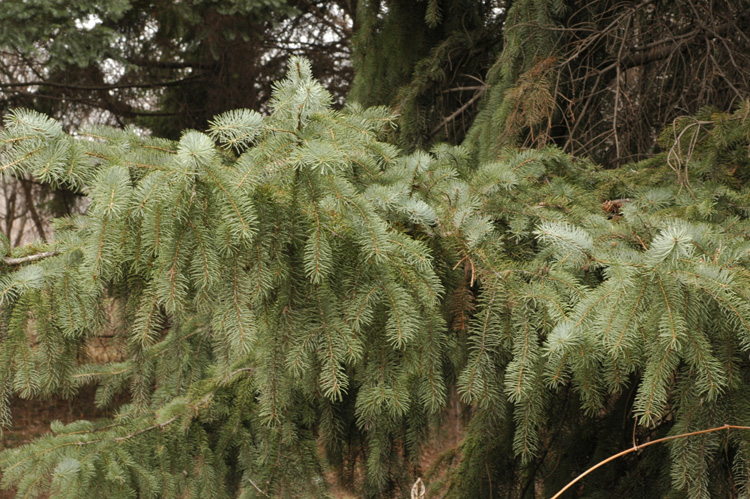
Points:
point(287, 281)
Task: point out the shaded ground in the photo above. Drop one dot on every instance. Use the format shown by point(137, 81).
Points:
point(32, 418)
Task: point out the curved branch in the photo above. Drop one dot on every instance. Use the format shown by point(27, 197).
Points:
point(641, 446)
point(32, 209)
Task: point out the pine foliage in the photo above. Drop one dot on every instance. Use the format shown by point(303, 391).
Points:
point(292, 283)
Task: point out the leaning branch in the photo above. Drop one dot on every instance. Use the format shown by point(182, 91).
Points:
point(458, 111)
point(32, 209)
point(29, 258)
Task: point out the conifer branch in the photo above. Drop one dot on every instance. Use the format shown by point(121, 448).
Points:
point(233, 281)
point(147, 429)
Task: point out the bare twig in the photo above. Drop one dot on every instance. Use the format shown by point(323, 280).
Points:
point(170, 64)
point(462, 89)
point(641, 446)
point(32, 209)
point(458, 111)
point(29, 258)
point(256, 487)
point(158, 84)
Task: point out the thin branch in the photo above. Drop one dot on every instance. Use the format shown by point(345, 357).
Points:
point(172, 83)
point(147, 429)
point(461, 89)
point(256, 487)
point(19, 233)
point(170, 64)
point(662, 50)
point(32, 209)
point(458, 111)
point(639, 447)
point(29, 258)
point(107, 106)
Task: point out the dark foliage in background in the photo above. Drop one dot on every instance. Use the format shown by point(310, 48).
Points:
point(598, 79)
point(163, 65)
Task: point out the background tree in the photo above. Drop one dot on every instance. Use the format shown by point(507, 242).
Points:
point(598, 79)
point(162, 66)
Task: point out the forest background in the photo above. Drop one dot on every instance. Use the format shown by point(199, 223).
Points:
point(526, 220)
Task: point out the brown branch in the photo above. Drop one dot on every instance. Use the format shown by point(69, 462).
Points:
point(107, 106)
point(19, 234)
point(170, 64)
point(32, 209)
point(10, 209)
point(458, 111)
point(661, 50)
point(639, 447)
point(150, 113)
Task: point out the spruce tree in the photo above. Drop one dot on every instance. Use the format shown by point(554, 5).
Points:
point(294, 295)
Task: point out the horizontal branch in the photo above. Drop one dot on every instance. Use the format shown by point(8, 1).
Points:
point(170, 64)
point(147, 429)
point(113, 108)
point(462, 89)
point(656, 51)
point(39, 83)
point(29, 258)
point(155, 114)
